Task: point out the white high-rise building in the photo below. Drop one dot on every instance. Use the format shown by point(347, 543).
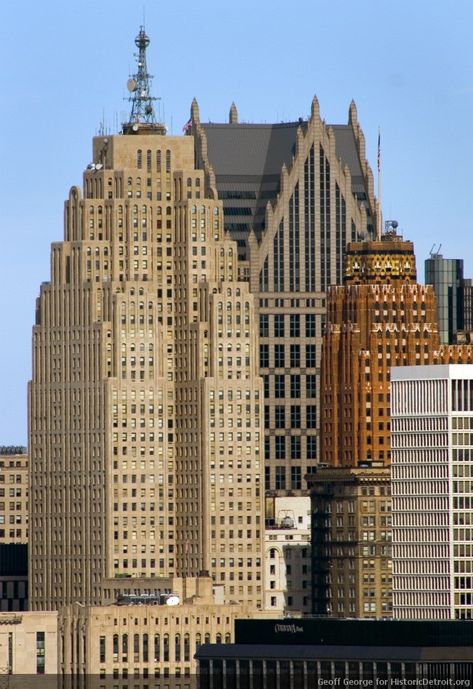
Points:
point(432, 491)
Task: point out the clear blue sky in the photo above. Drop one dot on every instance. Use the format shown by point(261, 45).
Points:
point(407, 64)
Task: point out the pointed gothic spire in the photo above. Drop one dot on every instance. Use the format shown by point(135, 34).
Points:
point(195, 114)
point(352, 113)
point(233, 114)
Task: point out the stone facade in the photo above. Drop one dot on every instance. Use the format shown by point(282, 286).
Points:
point(287, 554)
point(146, 407)
point(28, 647)
point(13, 495)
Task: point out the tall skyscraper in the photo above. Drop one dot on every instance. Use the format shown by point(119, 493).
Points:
point(145, 405)
point(446, 277)
point(381, 317)
point(432, 491)
point(293, 195)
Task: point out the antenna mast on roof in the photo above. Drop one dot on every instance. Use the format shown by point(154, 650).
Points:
point(139, 86)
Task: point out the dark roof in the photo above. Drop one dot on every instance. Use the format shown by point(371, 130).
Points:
point(251, 149)
point(262, 149)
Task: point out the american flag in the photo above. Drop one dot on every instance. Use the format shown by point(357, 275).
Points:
point(187, 125)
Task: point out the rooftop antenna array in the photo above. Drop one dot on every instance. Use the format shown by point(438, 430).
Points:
point(139, 87)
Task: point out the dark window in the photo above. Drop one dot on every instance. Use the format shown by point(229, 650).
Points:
point(295, 446)
point(295, 387)
point(264, 356)
point(295, 477)
point(310, 385)
point(280, 443)
point(279, 325)
point(280, 416)
point(295, 416)
point(280, 478)
point(40, 653)
point(279, 356)
point(295, 328)
point(310, 354)
point(279, 388)
point(266, 386)
point(311, 447)
point(295, 355)
point(264, 325)
point(311, 416)
point(310, 325)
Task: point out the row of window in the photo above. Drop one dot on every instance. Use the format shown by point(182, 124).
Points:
point(276, 356)
point(280, 326)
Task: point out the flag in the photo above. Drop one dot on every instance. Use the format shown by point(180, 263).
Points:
point(187, 125)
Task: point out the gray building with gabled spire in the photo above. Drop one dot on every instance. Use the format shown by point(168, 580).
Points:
point(293, 194)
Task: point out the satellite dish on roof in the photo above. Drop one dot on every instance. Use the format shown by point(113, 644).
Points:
point(173, 599)
point(131, 85)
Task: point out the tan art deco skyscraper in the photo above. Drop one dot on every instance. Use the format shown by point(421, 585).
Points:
point(145, 401)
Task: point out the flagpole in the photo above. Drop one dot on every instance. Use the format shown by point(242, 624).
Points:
point(379, 185)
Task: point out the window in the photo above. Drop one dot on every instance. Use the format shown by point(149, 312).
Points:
point(311, 447)
point(295, 446)
point(296, 477)
point(280, 443)
point(295, 416)
point(279, 387)
point(279, 414)
point(295, 356)
point(310, 353)
point(310, 383)
point(279, 325)
point(295, 387)
point(280, 478)
point(40, 653)
point(279, 356)
point(310, 325)
point(264, 325)
point(294, 328)
point(311, 416)
point(264, 356)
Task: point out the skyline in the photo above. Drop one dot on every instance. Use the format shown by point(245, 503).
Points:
point(52, 116)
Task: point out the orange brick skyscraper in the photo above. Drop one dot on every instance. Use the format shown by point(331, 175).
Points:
point(380, 317)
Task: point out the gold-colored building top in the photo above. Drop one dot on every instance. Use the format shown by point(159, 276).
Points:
point(380, 262)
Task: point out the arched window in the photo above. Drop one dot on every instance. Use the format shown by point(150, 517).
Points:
point(177, 648)
point(145, 648)
point(189, 182)
point(168, 161)
point(125, 648)
point(148, 160)
point(198, 641)
point(136, 648)
point(166, 648)
point(139, 158)
point(157, 648)
point(158, 161)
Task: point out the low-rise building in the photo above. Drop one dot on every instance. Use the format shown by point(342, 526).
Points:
point(287, 553)
point(13, 494)
point(28, 648)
